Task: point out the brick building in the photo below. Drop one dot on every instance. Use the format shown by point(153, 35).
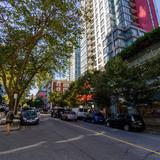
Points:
point(56, 85)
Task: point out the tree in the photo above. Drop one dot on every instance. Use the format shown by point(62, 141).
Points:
point(36, 38)
point(38, 102)
point(101, 91)
point(78, 89)
point(69, 98)
point(118, 78)
point(1, 93)
point(56, 98)
point(113, 81)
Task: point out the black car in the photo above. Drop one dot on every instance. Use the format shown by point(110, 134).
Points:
point(29, 117)
point(57, 112)
point(95, 117)
point(126, 121)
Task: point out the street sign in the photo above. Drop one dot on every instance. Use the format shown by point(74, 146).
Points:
point(15, 95)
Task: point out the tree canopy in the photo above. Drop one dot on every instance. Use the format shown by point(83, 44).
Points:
point(37, 38)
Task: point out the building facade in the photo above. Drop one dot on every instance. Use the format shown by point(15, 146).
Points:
point(116, 25)
point(56, 86)
point(146, 14)
point(87, 41)
point(74, 69)
point(157, 7)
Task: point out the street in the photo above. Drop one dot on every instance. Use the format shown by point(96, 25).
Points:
point(54, 139)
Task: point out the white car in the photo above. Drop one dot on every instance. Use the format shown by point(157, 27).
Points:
point(80, 112)
point(69, 115)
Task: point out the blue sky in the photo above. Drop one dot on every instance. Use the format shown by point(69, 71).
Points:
point(157, 2)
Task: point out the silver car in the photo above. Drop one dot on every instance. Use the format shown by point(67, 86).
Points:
point(69, 115)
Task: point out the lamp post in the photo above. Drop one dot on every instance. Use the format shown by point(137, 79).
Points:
point(15, 102)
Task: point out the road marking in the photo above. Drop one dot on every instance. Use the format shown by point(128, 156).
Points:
point(96, 134)
point(22, 148)
point(115, 139)
point(71, 139)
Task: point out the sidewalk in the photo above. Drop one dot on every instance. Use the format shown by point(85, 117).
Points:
point(152, 125)
point(3, 128)
point(153, 129)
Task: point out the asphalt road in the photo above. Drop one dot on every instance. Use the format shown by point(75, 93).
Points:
point(54, 139)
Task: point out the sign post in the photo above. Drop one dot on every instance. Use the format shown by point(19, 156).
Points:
point(15, 98)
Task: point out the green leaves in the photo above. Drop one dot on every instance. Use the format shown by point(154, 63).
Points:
point(56, 98)
point(141, 43)
point(34, 40)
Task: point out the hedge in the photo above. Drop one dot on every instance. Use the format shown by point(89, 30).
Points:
point(141, 43)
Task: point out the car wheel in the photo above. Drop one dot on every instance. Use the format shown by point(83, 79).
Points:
point(126, 127)
point(108, 124)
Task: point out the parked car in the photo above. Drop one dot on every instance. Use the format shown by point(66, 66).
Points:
point(2, 118)
point(69, 115)
point(57, 112)
point(80, 112)
point(29, 117)
point(45, 110)
point(3, 112)
point(127, 122)
point(95, 117)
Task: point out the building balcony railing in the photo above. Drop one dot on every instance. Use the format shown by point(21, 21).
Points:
point(132, 4)
point(89, 25)
point(134, 17)
point(90, 36)
point(89, 31)
point(133, 10)
point(89, 48)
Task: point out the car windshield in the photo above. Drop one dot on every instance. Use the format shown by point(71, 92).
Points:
point(30, 114)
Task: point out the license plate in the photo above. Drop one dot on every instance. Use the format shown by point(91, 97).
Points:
point(30, 120)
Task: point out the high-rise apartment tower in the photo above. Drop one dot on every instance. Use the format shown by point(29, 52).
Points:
point(115, 24)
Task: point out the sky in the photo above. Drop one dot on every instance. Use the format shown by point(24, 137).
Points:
point(157, 2)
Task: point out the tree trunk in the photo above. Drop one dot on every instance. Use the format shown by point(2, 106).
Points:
point(11, 103)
